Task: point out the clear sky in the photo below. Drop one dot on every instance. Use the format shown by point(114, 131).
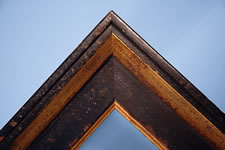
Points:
point(36, 36)
point(124, 136)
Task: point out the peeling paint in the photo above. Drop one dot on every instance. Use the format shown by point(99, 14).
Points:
point(187, 86)
point(86, 127)
point(99, 30)
point(13, 123)
point(92, 90)
point(150, 129)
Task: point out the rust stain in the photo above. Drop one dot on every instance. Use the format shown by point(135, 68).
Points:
point(1, 138)
point(86, 127)
point(92, 90)
point(98, 42)
point(102, 91)
point(99, 30)
point(85, 56)
point(164, 142)
point(149, 128)
point(13, 123)
point(86, 46)
point(182, 82)
point(187, 86)
point(71, 144)
point(86, 95)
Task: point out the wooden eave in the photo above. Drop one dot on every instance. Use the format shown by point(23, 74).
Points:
point(113, 39)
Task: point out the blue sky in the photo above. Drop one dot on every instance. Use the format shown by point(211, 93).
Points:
point(124, 136)
point(36, 36)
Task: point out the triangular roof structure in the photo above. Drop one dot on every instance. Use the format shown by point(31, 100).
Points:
point(114, 68)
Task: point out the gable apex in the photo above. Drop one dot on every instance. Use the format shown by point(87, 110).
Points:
point(112, 37)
